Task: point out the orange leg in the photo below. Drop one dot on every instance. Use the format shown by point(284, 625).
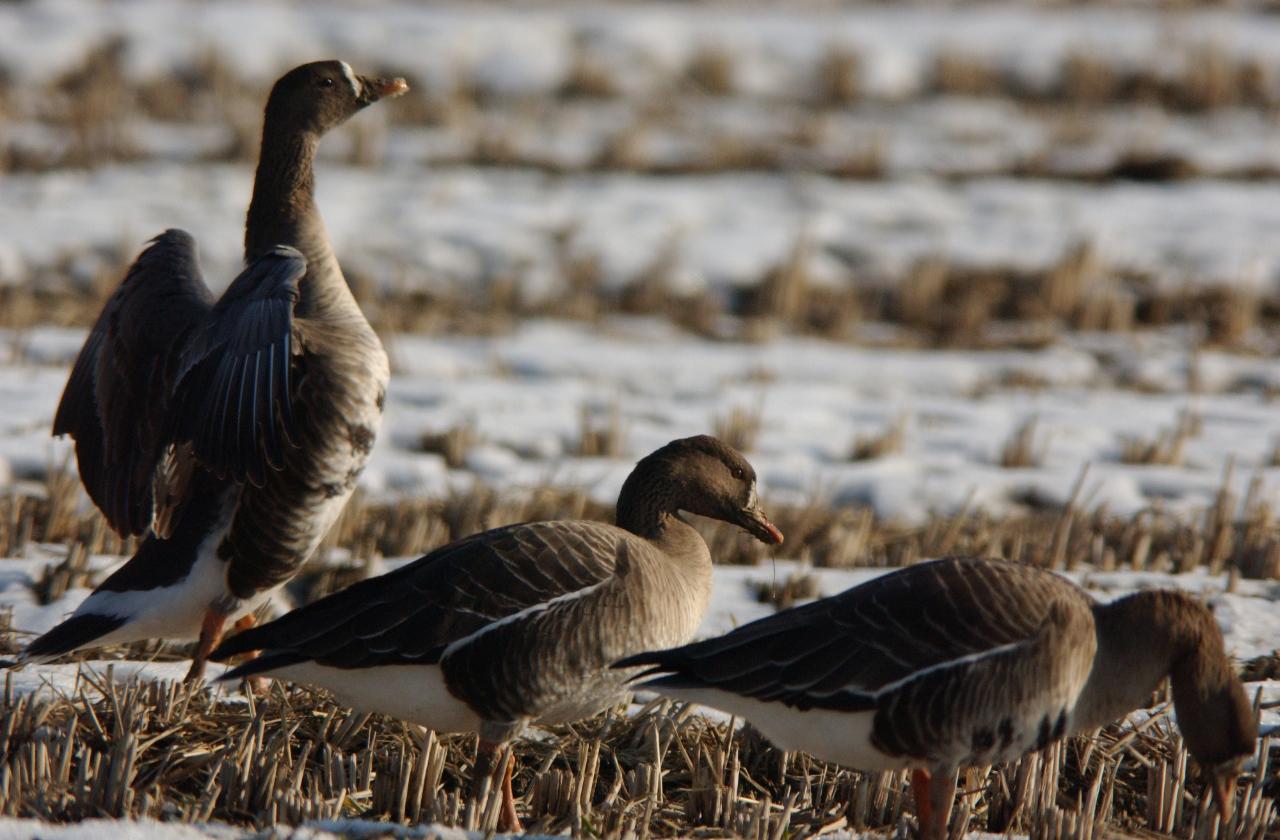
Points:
point(1224, 793)
point(934, 794)
point(942, 795)
point(920, 792)
point(486, 753)
point(258, 685)
point(509, 820)
point(210, 633)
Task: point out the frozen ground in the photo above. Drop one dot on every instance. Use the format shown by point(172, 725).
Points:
point(461, 229)
point(407, 222)
point(526, 394)
point(946, 178)
point(644, 46)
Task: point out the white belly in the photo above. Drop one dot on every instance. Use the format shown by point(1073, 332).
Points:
point(840, 737)
point(175, 611)
point(415, 693)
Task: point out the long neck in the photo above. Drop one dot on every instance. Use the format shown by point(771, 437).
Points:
point(283, 210)
point(646, 507)
point(1141, 640)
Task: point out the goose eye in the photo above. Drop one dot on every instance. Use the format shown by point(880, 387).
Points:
point(738, 473)
point(325, 81)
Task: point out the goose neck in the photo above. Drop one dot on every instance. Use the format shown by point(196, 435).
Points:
point(283, 208)
point(646, 507)
point(1142, 639)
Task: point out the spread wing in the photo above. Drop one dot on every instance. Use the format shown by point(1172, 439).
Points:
point(411, 614)
point(237, 389)
point(164, 365)
point(847, 652)
point(118, 398)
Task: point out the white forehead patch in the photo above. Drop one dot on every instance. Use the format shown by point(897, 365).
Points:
point(356, 87)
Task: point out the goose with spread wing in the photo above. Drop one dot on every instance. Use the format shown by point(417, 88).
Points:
point(961, 662)
point(227, 433)
point(519, 624)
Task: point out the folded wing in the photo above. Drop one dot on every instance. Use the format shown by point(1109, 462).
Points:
point(412, 614)
point(844, 653)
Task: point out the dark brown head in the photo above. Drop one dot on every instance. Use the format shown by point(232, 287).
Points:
point(1214, 713)
point(699, 475)
point(315, 97)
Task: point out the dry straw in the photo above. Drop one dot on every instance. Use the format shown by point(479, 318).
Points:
point(159, 750)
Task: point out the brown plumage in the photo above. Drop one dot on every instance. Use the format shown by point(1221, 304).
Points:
point(519, 624)
point(229, 432)
point(960, 662)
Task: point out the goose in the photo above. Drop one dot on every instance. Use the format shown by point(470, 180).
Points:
point(227, 433)
point(518, 625)
point(964, 661)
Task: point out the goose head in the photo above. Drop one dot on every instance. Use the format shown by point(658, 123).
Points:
point(315, 97)
point(701, 475)
point(1216, 719)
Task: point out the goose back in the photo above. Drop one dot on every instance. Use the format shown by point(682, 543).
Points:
point(415, 613)
point(944, 663)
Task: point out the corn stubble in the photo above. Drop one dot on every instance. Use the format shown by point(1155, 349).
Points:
point(160, 750)
point(164, 751)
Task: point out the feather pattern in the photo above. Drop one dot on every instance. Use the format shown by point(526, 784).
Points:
point(960, 660)
point(412, 614)
point(158, 369)
point(235, 430)
point(122, 386)
point(238, 398)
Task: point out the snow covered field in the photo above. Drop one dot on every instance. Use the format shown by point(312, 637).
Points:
point(708, 145)
point(464, 229)
point(531, 50)
point(525, 396)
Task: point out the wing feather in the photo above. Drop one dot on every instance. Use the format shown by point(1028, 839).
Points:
point(236, 410)
point(120, 390)
point(411, 614)
point(841, 652)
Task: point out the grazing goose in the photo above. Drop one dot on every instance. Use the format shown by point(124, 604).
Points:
point(229, 432)
point(961, 662)
point(519, 624)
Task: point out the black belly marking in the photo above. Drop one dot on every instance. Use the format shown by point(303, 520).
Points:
point(381, 399)
point(1006, 733)
point(1042, 737)
point(983, 740)
point(361, 438)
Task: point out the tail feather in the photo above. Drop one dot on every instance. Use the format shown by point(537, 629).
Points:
point(76, 632)
point(269, 661)
point(657, 660)
point(246, 641)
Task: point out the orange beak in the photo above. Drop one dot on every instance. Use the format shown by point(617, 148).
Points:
point(374, 89)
